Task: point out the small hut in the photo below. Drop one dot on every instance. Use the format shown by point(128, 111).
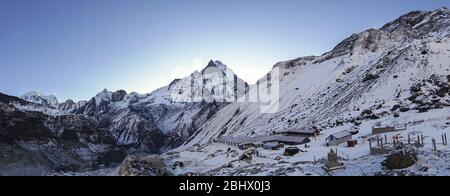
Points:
point(338, 138)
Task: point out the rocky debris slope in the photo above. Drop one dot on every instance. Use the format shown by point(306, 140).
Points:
point(33, 143)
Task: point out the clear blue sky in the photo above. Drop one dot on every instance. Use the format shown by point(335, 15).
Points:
point(75, 48)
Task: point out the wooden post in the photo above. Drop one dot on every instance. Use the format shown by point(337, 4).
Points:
point(421, 138)
point(434, 144)
point(409, 139)
point(418, 139)
point(445, 139)
point(385, 138)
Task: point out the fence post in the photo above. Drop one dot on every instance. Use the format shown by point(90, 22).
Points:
point(445, 138)
point(434, 144)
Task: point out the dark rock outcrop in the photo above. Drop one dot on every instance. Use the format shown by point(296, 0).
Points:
point(400, 160)
point(143, 166)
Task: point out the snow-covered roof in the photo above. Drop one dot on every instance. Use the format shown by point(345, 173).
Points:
point(259, 139)
point(340, 135)
point(238, 140)
point(292, 139)
point(271, 144)
point(303, 130)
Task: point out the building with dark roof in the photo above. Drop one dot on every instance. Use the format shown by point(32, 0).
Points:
point(304, 132)
point(244, 142)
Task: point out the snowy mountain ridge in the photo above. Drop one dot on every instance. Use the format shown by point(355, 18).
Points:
point(174, 111)
point(38, 98)
point(396, 75)
point(364, 76)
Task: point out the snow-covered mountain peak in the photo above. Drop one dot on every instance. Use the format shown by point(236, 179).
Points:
point(416, 25)
point(420, 23)
point(109, 96)
point(216, 64)
point(103, 95)
point(215, 82)
point(38, 98)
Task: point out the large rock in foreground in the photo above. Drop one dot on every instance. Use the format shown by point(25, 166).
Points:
point(143, 166)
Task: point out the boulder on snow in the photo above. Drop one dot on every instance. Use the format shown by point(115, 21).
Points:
point(178, 164)
point(370, 76)
point(248, 154)
point(395, 107)
point(443, 91)
point(423, 109)
point(368, 114)
point(291, 151)
point(400, 160)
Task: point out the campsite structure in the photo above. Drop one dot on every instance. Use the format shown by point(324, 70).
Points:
point(305, 132)
point(338, 138)
point(378, 129)
point(268, 142)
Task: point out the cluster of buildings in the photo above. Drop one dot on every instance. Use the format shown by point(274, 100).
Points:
point(272, 142)
point(301, 136)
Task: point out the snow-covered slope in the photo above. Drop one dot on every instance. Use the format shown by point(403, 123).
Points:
point(170, 110)
point(367, 76)
point(398, 74)
point(157, 121)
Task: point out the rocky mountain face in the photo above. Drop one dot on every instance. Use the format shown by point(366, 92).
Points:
point(111, 125)
point(400, 67)
point(33, 143)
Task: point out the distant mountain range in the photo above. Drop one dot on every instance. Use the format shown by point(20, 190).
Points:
point(133, 123)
